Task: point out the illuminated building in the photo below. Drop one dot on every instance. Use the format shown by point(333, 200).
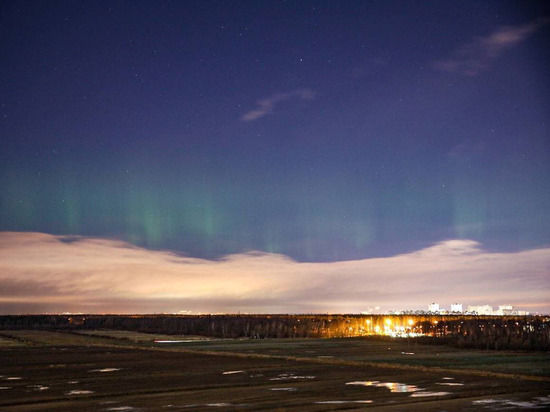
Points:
point(433, 307)
point(456, 307)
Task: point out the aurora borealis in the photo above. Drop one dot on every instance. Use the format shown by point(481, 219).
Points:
point(315, 132)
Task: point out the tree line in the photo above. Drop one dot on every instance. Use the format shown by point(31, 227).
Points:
point(487, 332)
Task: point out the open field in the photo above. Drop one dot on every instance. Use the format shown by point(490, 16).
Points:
point(7, 342)
point(136, 336)
point(102, 370)
point(398, 352)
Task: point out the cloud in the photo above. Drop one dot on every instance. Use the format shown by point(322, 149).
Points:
point(478, 55)
point(266, 106)
point(45, 273)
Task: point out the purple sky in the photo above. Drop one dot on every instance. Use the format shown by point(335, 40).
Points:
point(370, 153)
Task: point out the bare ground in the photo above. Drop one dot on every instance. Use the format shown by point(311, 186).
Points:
point(66, 372)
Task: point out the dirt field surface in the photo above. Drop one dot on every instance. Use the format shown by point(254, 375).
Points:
point(51, 371)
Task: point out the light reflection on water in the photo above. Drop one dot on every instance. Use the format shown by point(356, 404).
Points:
point(392, 386)
point(422, 394)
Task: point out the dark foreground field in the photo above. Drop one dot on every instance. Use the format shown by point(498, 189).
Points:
point(126, 371)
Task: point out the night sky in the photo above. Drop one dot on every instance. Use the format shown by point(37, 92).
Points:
point(293, 134)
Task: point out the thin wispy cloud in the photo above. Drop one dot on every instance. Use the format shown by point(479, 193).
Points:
point(267, 106)
point(476, 56)
point(41, 272)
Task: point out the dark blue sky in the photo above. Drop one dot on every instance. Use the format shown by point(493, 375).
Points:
point(320, 130)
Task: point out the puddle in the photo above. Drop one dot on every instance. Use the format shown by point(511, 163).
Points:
point(448, 379)
point(450, 384)
point(543, 400)
point(72, 382)
point(39, 387)
point(121, 408)
point(407, 353)
point(4, 387)
point(340, 402)
point(105, 370)
point(536, 403)
point(284, 389)
point(288, 376)
point(79, 392)
point(522, 404)
point(232, 372)
point(14, 378)
point(206, 405)
point(488, 401)
point(422, 394)
point(392, 386)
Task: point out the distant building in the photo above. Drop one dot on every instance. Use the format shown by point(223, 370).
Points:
point(433, 307)
point(509, 310)
point(456, 307)
point(521, 313)
point(481, 309)
point(504, 310)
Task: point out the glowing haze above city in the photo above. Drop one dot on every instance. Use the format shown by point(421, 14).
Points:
point(274, 157)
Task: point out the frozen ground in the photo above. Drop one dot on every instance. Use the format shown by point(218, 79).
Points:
point(65, 372)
